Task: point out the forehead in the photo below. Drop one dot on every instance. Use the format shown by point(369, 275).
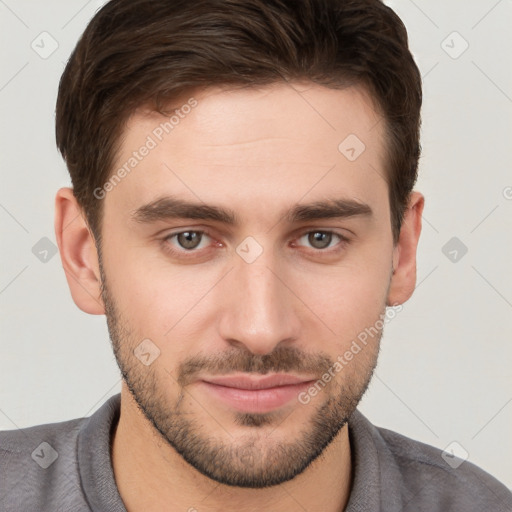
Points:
point(288, 111)
point(260, 144)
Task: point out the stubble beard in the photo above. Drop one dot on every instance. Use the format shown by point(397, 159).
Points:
point(254, 460)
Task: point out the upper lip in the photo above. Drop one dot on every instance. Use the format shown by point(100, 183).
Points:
point(253, 382)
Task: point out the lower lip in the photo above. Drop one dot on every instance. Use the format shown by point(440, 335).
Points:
point(256, 400)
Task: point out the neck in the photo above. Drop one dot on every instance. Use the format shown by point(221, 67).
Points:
point(152, 476)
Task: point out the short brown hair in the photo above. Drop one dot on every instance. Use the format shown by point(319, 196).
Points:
point(138, 52)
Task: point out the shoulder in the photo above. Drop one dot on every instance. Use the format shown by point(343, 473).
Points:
point(431, 475)
point(424, 477)
point(39, 466)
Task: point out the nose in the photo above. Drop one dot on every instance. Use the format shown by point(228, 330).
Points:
point(259, 310)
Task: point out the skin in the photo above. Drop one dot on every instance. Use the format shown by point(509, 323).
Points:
point(298, 306)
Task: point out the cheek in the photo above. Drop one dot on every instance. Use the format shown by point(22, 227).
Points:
point(162, 301)
point(347, 299)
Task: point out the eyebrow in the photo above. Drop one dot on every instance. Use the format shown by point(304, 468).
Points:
point(167, 208)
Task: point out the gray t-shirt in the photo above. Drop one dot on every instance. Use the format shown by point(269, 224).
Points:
point(67, 467)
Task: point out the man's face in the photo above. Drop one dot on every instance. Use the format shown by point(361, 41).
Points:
point(265, 295)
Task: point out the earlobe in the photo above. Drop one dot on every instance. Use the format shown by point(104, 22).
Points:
point(403, 280)
point(78, 253)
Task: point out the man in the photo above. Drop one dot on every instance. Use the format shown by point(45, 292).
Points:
point(243, 213)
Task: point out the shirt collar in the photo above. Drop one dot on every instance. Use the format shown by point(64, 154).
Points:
point(94, 458)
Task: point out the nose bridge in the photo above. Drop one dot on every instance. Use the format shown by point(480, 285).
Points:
point(261, 290)
point(259, 313)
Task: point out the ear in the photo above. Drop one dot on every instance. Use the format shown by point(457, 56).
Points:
point(78, 253)
point(403, 280)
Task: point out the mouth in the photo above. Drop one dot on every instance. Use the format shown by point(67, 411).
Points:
point(255, 394)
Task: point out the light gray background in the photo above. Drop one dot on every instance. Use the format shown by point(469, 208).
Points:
point(444, 373)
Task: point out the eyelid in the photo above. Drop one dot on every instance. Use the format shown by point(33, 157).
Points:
point(203, 232)
point(343, 239)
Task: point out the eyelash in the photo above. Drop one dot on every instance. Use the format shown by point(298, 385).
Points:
point(177, 252)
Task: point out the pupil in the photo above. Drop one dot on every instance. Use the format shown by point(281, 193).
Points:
point(188, 239)
point(318, 236)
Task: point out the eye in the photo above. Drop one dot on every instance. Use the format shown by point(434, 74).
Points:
point(187, 240)
point(321, 240)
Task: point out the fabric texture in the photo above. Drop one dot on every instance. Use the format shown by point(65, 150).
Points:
point(67, 466)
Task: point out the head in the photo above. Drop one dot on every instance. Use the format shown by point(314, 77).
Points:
point(242, 203)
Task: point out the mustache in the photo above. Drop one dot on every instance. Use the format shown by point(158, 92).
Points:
point(282, 359)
